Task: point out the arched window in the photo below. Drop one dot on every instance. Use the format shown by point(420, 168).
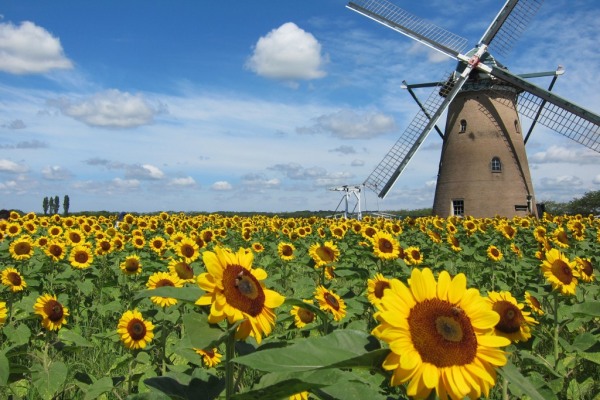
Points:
point(496, 165)
point(463, 126)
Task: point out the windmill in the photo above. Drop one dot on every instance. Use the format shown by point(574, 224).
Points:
point(483, 168)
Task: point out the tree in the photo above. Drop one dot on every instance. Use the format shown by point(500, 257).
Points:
point(45, 205)
point(589, 203)
point(66, 204)
point(56, 204)
point(51, 205)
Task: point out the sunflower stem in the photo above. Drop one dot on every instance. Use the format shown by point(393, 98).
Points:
point(504, 388)
point(556, 328)
point(229, 354)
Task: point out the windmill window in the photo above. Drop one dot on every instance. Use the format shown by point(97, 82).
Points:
point(463, 125)
point(496, 165)
point(517, 126)
point(458, 208)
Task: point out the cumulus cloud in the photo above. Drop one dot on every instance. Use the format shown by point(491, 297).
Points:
point(221, 186)
point(110, 109)
point(596, 180)
point(30, 49)
point(558, 154)
point(11, 167)
point(259, 182)
point(56, 173)
point(119, 183)
point(144, 172)
point(349, 124)
point(187, 181)
point(561, 181)
point(287, 53)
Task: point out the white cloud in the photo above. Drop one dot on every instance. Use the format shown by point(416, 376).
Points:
point(221, 186)
point(349, 124)
point(187, 181)
point(11, 167)
point(125, 183)
point(596, 180)
point(259, 182)
point(30, 49)
point(110, 109)
point(287, 53)
point(144, 172)
point(558, 154)
point(56, 173)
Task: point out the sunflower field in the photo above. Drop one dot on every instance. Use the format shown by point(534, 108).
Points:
point(177, 306)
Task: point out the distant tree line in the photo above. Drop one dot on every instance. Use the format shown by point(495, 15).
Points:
point(51, 205)
point(587, 204)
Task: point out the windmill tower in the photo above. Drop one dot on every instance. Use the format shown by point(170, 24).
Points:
point(483, 168)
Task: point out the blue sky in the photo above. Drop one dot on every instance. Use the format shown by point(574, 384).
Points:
point(251, 106)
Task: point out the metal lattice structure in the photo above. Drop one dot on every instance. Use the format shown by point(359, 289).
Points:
point(550, 110)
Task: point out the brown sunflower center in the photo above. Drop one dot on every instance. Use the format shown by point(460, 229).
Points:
point(332, 301)
point(136, 329)
point(562, 271)
point(164, 282)
point(22, 248)
point(534, 302)
point(132, 265)
point(55, 250)
point(511, 318)
point(14, 278)
point(380, 286)
point(209, 353)
point(157, 244)
point(81, 257)
point(385, 246)
point(184, 271)
point(187, 250)
point(242, 290)
point(305, 315)
point(586, 267)
point(494, 252)
point(326, 254)
point(561, 237)
point(415, 255)
point(54, 310)
point(287, 251)
point(442, 333)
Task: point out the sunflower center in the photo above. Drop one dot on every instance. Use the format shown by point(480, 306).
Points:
point(385, 246)
point(81, 257)
point(132, 265)
point(136, 329)
point(164, 282)
point(187, 251)
point(332, 301)
point(326, 254)
point(511, 318)
point(442, 333)
point(22, 248)
point(287, 251)
point(55, 250)
point(562, 271)
point(54, 310)
point(495, 252)
point(184, 271)
point(380, 286)
point(242, 290)
point(305, 315)
point(586, 267)
point(105, 245)
point(14, 278)
point(209, 353)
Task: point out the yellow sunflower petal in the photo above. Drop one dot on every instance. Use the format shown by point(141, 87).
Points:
point(457, 288)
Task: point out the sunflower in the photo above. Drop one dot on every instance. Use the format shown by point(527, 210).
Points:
point(13, 229)
point(131, 265)
point(299, 396)
point(81, 257)
point(560, 238)
point(234, 291)
point(454, 243)
point(494, 253)
point(533, 304)
point(286, 251)
point(160, 279)
point(55, 249)
point(158, 245)
point(434, 236)
point(103, 246)
point(187, 248)
point(210, 358)
point(75, 237)
point(324, 254)
point(138, 242)
point(54, 315)
point(13, 279)
point(182, 269)
point(413, 256)
point(302, 316)
point(3, 312)
point(585, 268)
point(560, 271)
point(515, 324)
point(440, 335)
point(539, 233)
point(257, 247)
point(330, 302)
point(21, 248)
point(135, 332)
point(376, 287)
point(385, 246)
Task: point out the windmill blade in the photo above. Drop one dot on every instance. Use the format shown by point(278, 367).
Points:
point(386, 173)
point(509, 24)
point(558, 114)
point(396, 18)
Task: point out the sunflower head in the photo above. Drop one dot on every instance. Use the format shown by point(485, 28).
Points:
point(385, 246)
point(585, 269)
point(329, 301)
point(53, 314)
point(135, 332)
point(376, 287)
point(286, 251)
point(514, 324)
point(494, 253)
point(81, 257)
point(131, 265)
point(302, 316)
point(560, 272)
point(210, 357)
point(3, 312)
point(324, 254)
point(162, 279)
point(534, 304)
point(13, 279)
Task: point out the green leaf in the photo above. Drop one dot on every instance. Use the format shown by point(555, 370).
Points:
point(593, 357)
point(4, 369)
point(187, 293)
point(340, 349)
point(515, 378)
point(584, 341)
point(48, 380)
point(203, 335)
point(101, 386)
point(590, 308)
point(70, 336)
point(351, 390)
point(195, 389)
point(18, 336)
